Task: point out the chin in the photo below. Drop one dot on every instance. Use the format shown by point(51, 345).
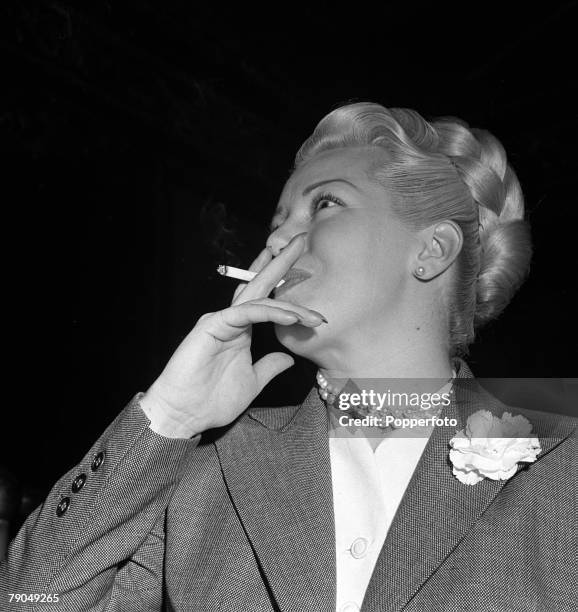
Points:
point(298, 339)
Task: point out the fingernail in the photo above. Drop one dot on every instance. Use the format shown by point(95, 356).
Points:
point(318, 314)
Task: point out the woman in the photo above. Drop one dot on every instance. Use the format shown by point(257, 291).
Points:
point(396, 238)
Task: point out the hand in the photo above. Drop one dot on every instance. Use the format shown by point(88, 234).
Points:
point(211, 378)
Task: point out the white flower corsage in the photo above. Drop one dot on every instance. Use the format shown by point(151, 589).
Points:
point(491, 447)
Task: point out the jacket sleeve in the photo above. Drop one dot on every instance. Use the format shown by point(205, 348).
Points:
point(97, 541)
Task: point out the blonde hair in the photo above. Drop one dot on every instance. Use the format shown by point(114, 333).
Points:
point(444, 170)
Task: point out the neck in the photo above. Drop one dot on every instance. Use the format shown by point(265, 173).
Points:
point(394, 355)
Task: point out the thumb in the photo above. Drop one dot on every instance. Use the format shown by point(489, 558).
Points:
point(270, 366)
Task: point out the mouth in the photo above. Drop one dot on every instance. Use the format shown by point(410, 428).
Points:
point(292, 278)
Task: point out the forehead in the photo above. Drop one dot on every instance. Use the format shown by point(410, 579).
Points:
point(353, 164)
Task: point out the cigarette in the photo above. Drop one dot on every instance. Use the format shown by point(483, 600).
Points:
point(240, 274)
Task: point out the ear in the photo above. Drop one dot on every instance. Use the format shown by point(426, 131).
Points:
point(440, 245)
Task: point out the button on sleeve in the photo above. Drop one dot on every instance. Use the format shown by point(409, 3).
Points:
point(97, 461)
point(62, 506)
point(78, 483)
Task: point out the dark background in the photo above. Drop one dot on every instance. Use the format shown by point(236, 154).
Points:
point(145, 142)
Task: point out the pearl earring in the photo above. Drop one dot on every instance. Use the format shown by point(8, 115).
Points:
point(420, 271)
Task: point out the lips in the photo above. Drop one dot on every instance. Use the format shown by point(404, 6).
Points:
point(292, 278)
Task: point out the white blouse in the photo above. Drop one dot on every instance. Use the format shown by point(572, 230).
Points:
point(367, 488)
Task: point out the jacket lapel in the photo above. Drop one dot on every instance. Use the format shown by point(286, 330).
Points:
point(437, 509)
point(276, 464)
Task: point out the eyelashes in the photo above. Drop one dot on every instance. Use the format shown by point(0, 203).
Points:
point(324, 197)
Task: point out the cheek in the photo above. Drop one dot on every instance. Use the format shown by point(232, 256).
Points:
point(360, 251)
point(363, 265)
point(343, 247)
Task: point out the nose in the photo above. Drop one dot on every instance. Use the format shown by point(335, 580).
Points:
point(279, 239)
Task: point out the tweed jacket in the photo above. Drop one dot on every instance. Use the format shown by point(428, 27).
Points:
point(242, 521)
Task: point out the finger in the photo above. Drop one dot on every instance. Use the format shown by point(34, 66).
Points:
point(230, 323)
point(308, 315)
point(262, 285)
point(258, 264)
point(271, 365)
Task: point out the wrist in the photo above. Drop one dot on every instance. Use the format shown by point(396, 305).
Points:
point(164, 420)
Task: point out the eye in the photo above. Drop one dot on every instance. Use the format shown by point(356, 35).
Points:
point(324, 200)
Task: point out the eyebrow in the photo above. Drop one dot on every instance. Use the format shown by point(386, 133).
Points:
point(335, 180)
point(310, 188)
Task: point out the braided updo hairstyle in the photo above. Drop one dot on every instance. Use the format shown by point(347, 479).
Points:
point(444, 170)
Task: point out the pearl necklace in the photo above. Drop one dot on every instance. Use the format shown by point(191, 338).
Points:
point(326, 391)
